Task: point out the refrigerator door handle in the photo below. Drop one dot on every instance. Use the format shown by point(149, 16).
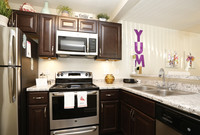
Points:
point(11, 83)
point(11, 47)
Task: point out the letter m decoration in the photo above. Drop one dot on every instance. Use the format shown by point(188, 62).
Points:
point(139, 59)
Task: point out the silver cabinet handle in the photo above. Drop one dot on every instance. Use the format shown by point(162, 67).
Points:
point(52, 49)
point(45, 112)
point(100, 51)
point(102, 108)
point(13, 23)
point(76, 131)
point(108, 95)
point(38, 98)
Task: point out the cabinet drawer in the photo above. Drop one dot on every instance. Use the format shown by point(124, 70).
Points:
point(144, 105)
point(37, 98)
point(89, 26)
point(109, 95)
point(69, 24)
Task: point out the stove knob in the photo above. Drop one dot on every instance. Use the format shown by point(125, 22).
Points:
point(58, 74)
point(86, 74)
point(62, 74)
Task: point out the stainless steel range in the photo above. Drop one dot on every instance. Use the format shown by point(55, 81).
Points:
point(76, 120)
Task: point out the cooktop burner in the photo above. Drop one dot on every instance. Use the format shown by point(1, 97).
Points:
point(68, 87)
point(73, 80)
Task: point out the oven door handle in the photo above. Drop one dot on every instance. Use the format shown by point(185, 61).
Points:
point(61, 94)
point(76, 131)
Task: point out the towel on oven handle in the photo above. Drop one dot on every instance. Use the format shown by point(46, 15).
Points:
point(82, 99)
point(68, 100)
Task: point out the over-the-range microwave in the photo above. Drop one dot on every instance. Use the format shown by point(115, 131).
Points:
point(76, 43)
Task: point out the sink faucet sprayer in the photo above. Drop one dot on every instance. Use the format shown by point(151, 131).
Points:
point(162, 75)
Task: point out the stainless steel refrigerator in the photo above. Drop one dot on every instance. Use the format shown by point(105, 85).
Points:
point(18, 70)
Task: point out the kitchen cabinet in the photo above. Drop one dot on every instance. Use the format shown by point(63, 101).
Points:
point(38, 113)
point(89, 26)
point(47, 35)
point(78, 25)
point(109, 41)
point(26, 21)
point(67, 23)
point(134, 120)
point(109, 118)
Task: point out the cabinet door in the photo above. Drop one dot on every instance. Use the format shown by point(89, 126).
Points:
point(69, 24)
point(109, 40)
point(144, 125)
point(89, 26)
point(37, 119)
point(47, 35)
point(109, 116)
point(26, 21)
point(125, 118)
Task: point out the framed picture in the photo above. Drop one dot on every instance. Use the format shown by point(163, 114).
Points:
point(172, 59)
point(189, 59)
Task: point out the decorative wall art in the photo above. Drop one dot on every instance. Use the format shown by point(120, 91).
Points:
point(189, 60)
point(172, 59)
point(138, 46)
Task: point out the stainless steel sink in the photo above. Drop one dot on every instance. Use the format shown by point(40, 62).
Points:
point(160, 91)
point(145, 88)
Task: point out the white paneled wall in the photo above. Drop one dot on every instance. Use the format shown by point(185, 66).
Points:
point(156, 40)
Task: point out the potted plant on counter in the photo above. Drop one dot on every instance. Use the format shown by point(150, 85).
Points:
point(64, 10)
point(103, 17)
point(5, 13)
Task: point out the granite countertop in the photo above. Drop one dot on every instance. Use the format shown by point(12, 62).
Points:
point(188, 103)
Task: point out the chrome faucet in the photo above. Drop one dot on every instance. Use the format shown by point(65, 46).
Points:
point(162, 75)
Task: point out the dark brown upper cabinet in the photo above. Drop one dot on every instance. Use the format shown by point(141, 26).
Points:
point(26, 21)
point(109, 41)
point(47, 35)
point(66, 23)
point(89, 26)
point(78, 25)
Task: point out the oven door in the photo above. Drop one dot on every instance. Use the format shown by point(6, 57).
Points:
point(66, 118)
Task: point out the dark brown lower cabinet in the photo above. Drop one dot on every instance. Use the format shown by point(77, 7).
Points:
point(133, 120)
point(110, 114)
point(109, 110)
point(38, 120)
point(143, 124)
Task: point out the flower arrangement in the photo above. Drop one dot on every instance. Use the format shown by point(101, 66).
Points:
point(102, 15)
point(62, 9)
point(173, 59)
point(5, 9)
point(190, 59)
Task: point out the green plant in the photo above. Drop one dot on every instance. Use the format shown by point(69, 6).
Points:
point(101, 15)
point(4, 10)
point(64, 8)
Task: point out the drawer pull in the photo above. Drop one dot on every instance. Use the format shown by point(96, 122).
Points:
point(38, 98)
point(108, 95)
point(45, 112)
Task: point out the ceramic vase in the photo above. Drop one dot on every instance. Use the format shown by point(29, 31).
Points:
point(3, 21)
point(109, 78)
point(45, 10)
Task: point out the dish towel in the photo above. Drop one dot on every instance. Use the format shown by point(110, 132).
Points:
point(82, 99)
point(68, 100)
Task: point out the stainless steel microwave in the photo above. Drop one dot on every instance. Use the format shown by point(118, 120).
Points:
point(76, 43)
